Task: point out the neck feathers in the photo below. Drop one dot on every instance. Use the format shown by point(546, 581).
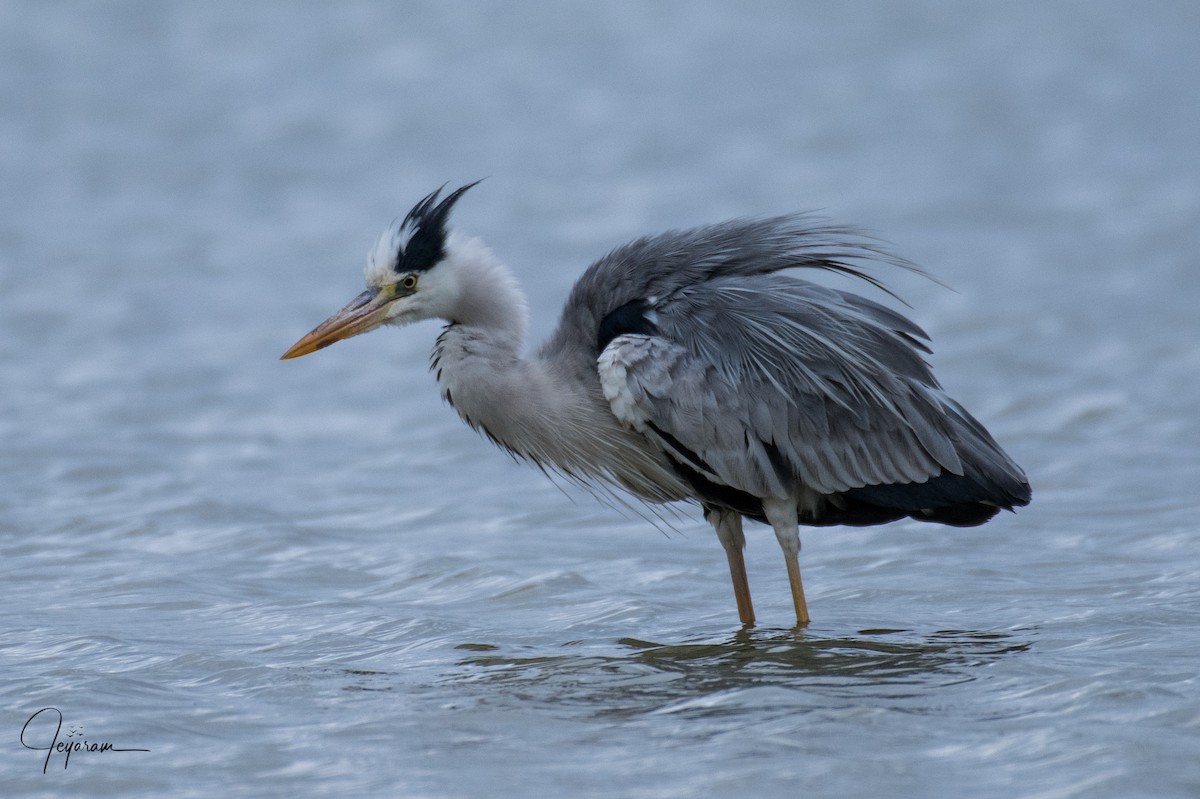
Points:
point(530, 406)
point(487, 298)
point(477, 356)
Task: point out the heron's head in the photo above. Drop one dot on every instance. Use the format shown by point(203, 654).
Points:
point(410, 277)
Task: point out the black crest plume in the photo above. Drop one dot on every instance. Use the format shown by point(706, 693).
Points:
point(426, 243)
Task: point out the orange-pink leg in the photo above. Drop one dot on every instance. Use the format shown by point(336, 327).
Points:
point(783, 518)
point(728, 525)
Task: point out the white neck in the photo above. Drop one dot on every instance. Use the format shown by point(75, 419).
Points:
point(484, 294)
point(477, 357)
point(526, 404)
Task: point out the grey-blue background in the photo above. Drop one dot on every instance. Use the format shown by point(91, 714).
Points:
point(307, 578)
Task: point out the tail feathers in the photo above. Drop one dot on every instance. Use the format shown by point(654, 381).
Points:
point(962, 500)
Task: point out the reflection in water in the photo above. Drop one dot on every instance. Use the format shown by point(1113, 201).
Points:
point(730, 676)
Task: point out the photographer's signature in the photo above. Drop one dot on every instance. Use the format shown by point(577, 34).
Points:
point(43, 732)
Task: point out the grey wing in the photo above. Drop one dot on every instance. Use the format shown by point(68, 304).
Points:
point(663, 265)
point(768, 386)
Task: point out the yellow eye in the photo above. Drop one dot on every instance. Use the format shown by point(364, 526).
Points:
point(408, 282)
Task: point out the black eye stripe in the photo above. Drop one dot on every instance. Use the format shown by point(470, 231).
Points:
point(427, 221)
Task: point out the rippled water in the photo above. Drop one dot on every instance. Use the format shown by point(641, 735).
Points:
point(308, 578)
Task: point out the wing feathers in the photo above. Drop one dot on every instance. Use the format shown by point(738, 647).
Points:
point(767, 385)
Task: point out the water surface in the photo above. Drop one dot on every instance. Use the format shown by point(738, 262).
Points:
point(309, 578)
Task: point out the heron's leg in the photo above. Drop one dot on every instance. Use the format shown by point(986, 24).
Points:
point(782, 516)
point(728, 525)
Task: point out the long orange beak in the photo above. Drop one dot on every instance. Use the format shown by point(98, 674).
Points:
point(366, 311)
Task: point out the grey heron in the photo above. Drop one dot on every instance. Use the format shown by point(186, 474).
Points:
point(688, 366)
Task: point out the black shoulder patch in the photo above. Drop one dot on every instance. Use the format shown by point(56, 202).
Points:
point(629, 318)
